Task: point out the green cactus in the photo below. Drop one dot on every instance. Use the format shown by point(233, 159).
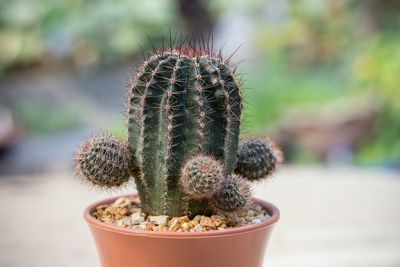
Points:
point(184, 109)
point(257, 159)
point(182, 102)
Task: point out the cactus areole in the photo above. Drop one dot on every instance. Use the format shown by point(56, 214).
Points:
point(184, 104)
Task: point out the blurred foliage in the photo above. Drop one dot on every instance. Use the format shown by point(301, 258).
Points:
point(39, 119)
point(310, 51)
point(85, 31)
point(306, 61)
point(376, 69)
point(319, 51)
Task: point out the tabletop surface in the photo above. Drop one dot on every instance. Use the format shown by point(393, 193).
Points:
point(330, 217)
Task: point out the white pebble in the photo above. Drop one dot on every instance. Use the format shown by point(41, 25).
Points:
point(159, 220)
point(250, 213)
point(124, 222)
point(137, 218)
point(143, 225)
point(261, 216)
point(259, 208)
point(198, 228)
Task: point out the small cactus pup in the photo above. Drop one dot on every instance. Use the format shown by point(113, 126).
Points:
point(233, 196)
point(202, 177)
point(103, 161)
point(184, 108)
point(257, 159)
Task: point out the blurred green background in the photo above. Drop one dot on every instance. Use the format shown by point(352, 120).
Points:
point(321, 77)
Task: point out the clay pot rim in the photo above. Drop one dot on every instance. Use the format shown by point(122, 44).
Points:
point(270, 208)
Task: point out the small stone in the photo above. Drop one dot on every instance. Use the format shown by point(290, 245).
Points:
point(159, 228)
point(107, 220)
point(137, 218)
point(265, 217)
point(143, 226)
point(260, 216)
point(121, 202)
point(217, 220)
point(173, 221)
point(185, 226)
point(124, 222)
point(197, 218)
point(150, 226)
point(98, 214)
point(259, 208)
point(123, 211)
point(101, 207)
point(174, 226)
point(184, 219)
point(159, 220)
point(198, 228)
point(134, 210)
point(110, 210)
point(137, 227)
point(119, 216)
point(255, 221)
point(207, 222)
point(250, 213)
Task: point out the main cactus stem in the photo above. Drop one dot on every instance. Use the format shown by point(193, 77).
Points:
point(183, 148)
point(181, 104)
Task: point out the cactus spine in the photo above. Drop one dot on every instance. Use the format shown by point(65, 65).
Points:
point(182, 102)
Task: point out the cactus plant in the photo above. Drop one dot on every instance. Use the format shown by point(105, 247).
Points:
point(104, 161)
point(201, 177)
point(257, 159)
point(233, 196)
point(184, 109)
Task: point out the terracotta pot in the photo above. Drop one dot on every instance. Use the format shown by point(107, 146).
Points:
point(237, 247)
